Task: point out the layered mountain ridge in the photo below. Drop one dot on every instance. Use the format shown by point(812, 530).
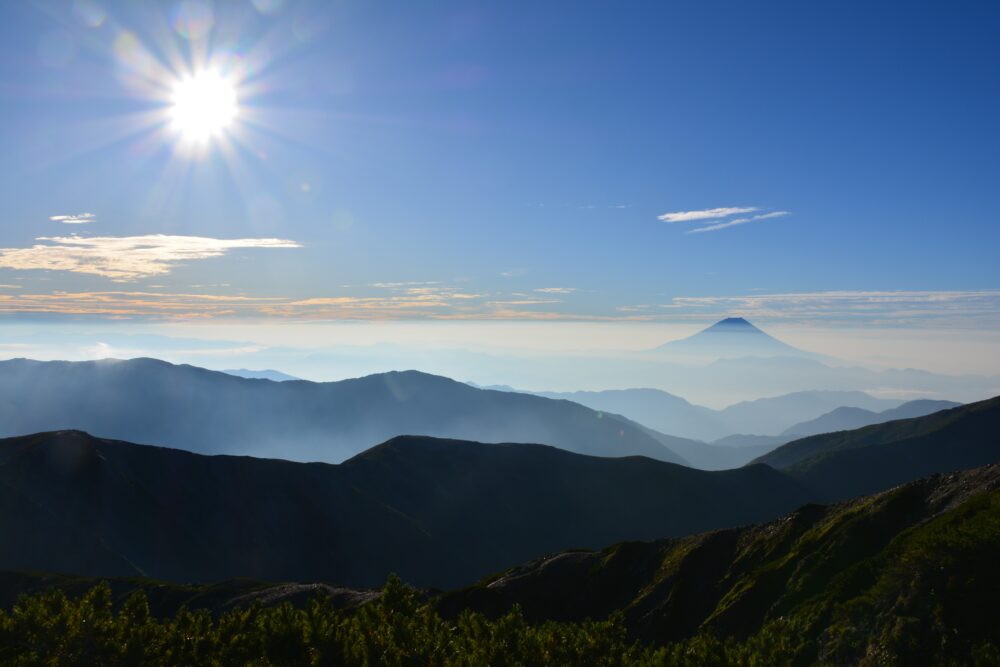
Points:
point(151, 401)
point(438, 512)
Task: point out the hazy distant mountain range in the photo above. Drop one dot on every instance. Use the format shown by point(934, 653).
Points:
point(715, 456)
point(845, 418)
point(739, 449)
point(737, 362)
point(740, 352)
point(145, 400)
point(765, 416)
point(438, 512)
point(139, 400)
point(274, 376)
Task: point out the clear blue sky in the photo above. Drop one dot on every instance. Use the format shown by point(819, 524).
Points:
point(513, 158)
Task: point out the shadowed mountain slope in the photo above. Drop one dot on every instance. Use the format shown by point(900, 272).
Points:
point(150, 401)
point(913, 568)
point(437, 512)
point(846, 418)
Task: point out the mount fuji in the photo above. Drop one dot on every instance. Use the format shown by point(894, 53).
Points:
point(731, 338)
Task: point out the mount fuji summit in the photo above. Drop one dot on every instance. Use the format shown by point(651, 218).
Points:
point(731, 338)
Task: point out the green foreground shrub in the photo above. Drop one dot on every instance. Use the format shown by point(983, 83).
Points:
point(397, 630)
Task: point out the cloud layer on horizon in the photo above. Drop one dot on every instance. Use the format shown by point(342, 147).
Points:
point(878, 307)
point(124, 258)
point(402, 302)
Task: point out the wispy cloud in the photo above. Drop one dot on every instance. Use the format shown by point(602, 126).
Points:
point(738, 221)
point(124, 258)
point(556, 290)
point(706, 214)
point(386, 301)
point(407, 284)
point(397, 301)
point(126, 305)
point(75, 219)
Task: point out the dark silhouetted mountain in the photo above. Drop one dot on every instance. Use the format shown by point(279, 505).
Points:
point(272, 375)
point(844, 418)
point(730, 338)
point(437, 512)
point(145, 400)
point(850, 463)
point(911, 569)
point(671, 414)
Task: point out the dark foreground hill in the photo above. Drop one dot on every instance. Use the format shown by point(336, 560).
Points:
point(437, 512)
point(151, 401)
point(908, 575)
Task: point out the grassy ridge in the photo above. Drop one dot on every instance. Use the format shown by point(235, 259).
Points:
point(907, 576)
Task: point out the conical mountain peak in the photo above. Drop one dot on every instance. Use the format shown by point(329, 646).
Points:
point(733, 324)
point(730, 338)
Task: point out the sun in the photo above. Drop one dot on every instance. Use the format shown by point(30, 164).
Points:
point(203, 106)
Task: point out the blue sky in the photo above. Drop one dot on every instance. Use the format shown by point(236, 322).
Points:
point(515, 160)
